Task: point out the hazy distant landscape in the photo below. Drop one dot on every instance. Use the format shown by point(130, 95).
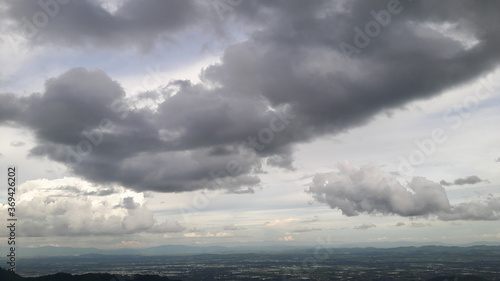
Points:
point(319, 264)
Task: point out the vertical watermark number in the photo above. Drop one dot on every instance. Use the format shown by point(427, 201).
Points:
point(11, 216)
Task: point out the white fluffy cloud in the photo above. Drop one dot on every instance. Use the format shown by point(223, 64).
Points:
point(73, 207)
point(373, 191)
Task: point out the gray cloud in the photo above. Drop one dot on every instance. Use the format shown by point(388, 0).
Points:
point(76, 123)
point(365, 226)
point(461, 181)
point(498, 159)
point(102, 192)
point(87, 23)
point(289, 83)
point(487, 209)
point(445, 183)
point(283, 161)
point(11, 107)
point(129, 204)
point(400, 224)
point(17, 143)
point(369, 190)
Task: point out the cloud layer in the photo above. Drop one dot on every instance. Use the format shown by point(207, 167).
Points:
point(85, 23)
point(369, 190)
point(72, 207)
point(288, 82)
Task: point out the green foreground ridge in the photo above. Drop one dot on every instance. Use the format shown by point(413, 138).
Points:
point(6, 275)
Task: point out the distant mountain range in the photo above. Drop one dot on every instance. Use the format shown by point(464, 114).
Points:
point(159, 250)
point(414, 244)
point(49, 251)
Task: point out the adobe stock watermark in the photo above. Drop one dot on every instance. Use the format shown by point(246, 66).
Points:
point(224, 6)
point(454, 118)
point(48, 9)
point(372, 29)
point(322, 252)
point(249, 149)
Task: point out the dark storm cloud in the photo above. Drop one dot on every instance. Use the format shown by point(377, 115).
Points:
point(369, 190)
point(289, 83)
point(296, 61)
point(10, 107)
point(461, 181)
point(87, 23)
point(77, 123)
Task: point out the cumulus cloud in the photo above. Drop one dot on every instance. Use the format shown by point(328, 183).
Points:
point(400, 224)
point(365, 226)
point(72, 207)
point(370, 190)
point(462, 181)
point(486, 209)
point(287, 82)
point(77, 123)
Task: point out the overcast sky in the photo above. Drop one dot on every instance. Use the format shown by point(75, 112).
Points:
point(142, 123)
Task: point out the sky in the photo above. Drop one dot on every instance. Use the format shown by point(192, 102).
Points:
point(240, 122)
